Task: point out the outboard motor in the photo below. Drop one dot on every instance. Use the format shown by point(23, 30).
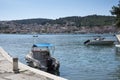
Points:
point(49, 64)
point(53, 66)
point(86, 41)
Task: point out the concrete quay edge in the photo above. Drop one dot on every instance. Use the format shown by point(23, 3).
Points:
point(25, 67)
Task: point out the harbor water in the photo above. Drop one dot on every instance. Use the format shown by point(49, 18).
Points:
point(77, 61)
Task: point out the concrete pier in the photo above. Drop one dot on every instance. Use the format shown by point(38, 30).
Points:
point(118, 37)
point(117, 46)
point(7, 67)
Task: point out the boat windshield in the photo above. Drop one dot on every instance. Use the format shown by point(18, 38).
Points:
point(43, 46)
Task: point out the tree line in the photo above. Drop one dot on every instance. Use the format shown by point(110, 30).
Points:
point(91, 21)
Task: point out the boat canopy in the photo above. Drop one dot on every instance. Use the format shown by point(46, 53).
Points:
point(43, 45)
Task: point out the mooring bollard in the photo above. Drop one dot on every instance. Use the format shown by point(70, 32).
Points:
point(15, 65)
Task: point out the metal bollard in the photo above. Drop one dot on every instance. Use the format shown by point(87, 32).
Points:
point(15, 65)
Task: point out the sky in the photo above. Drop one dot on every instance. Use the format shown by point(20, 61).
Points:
point(53, 9)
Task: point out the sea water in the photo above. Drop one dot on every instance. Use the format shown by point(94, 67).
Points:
point(77, 61)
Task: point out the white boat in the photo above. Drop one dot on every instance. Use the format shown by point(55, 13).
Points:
point(40, 57)
point(117, 48)
point(99, 41)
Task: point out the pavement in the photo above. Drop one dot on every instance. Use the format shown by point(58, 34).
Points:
point(6, 72)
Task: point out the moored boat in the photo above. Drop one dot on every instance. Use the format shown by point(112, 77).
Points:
point(40, 57)
point(99, 41)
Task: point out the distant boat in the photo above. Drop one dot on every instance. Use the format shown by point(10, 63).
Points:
point(99, 41)
point(40, 57)
point(35, 35)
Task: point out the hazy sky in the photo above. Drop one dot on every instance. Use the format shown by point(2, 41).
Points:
point(52, 9)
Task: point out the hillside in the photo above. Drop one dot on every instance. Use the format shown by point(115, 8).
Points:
point(32, 21)
point(73, 24)
point(92, 20)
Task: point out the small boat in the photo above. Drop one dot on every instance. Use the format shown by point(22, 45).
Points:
point(40, 57)
point(99, 41)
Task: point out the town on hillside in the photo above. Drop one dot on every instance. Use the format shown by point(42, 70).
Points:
point(73, 24)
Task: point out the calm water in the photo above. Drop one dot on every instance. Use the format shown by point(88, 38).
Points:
point(78, 62)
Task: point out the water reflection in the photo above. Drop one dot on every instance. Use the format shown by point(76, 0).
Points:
point(116, 73)
point(117, 53)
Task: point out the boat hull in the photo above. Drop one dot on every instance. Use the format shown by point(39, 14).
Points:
point(40, 58)
point(104, 42)
point(50, 64)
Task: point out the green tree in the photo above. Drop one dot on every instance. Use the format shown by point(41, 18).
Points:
point(116, 11)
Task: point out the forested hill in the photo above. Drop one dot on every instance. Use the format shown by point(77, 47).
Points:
point(92, 20)
point(87, 24)
point(33, 21)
